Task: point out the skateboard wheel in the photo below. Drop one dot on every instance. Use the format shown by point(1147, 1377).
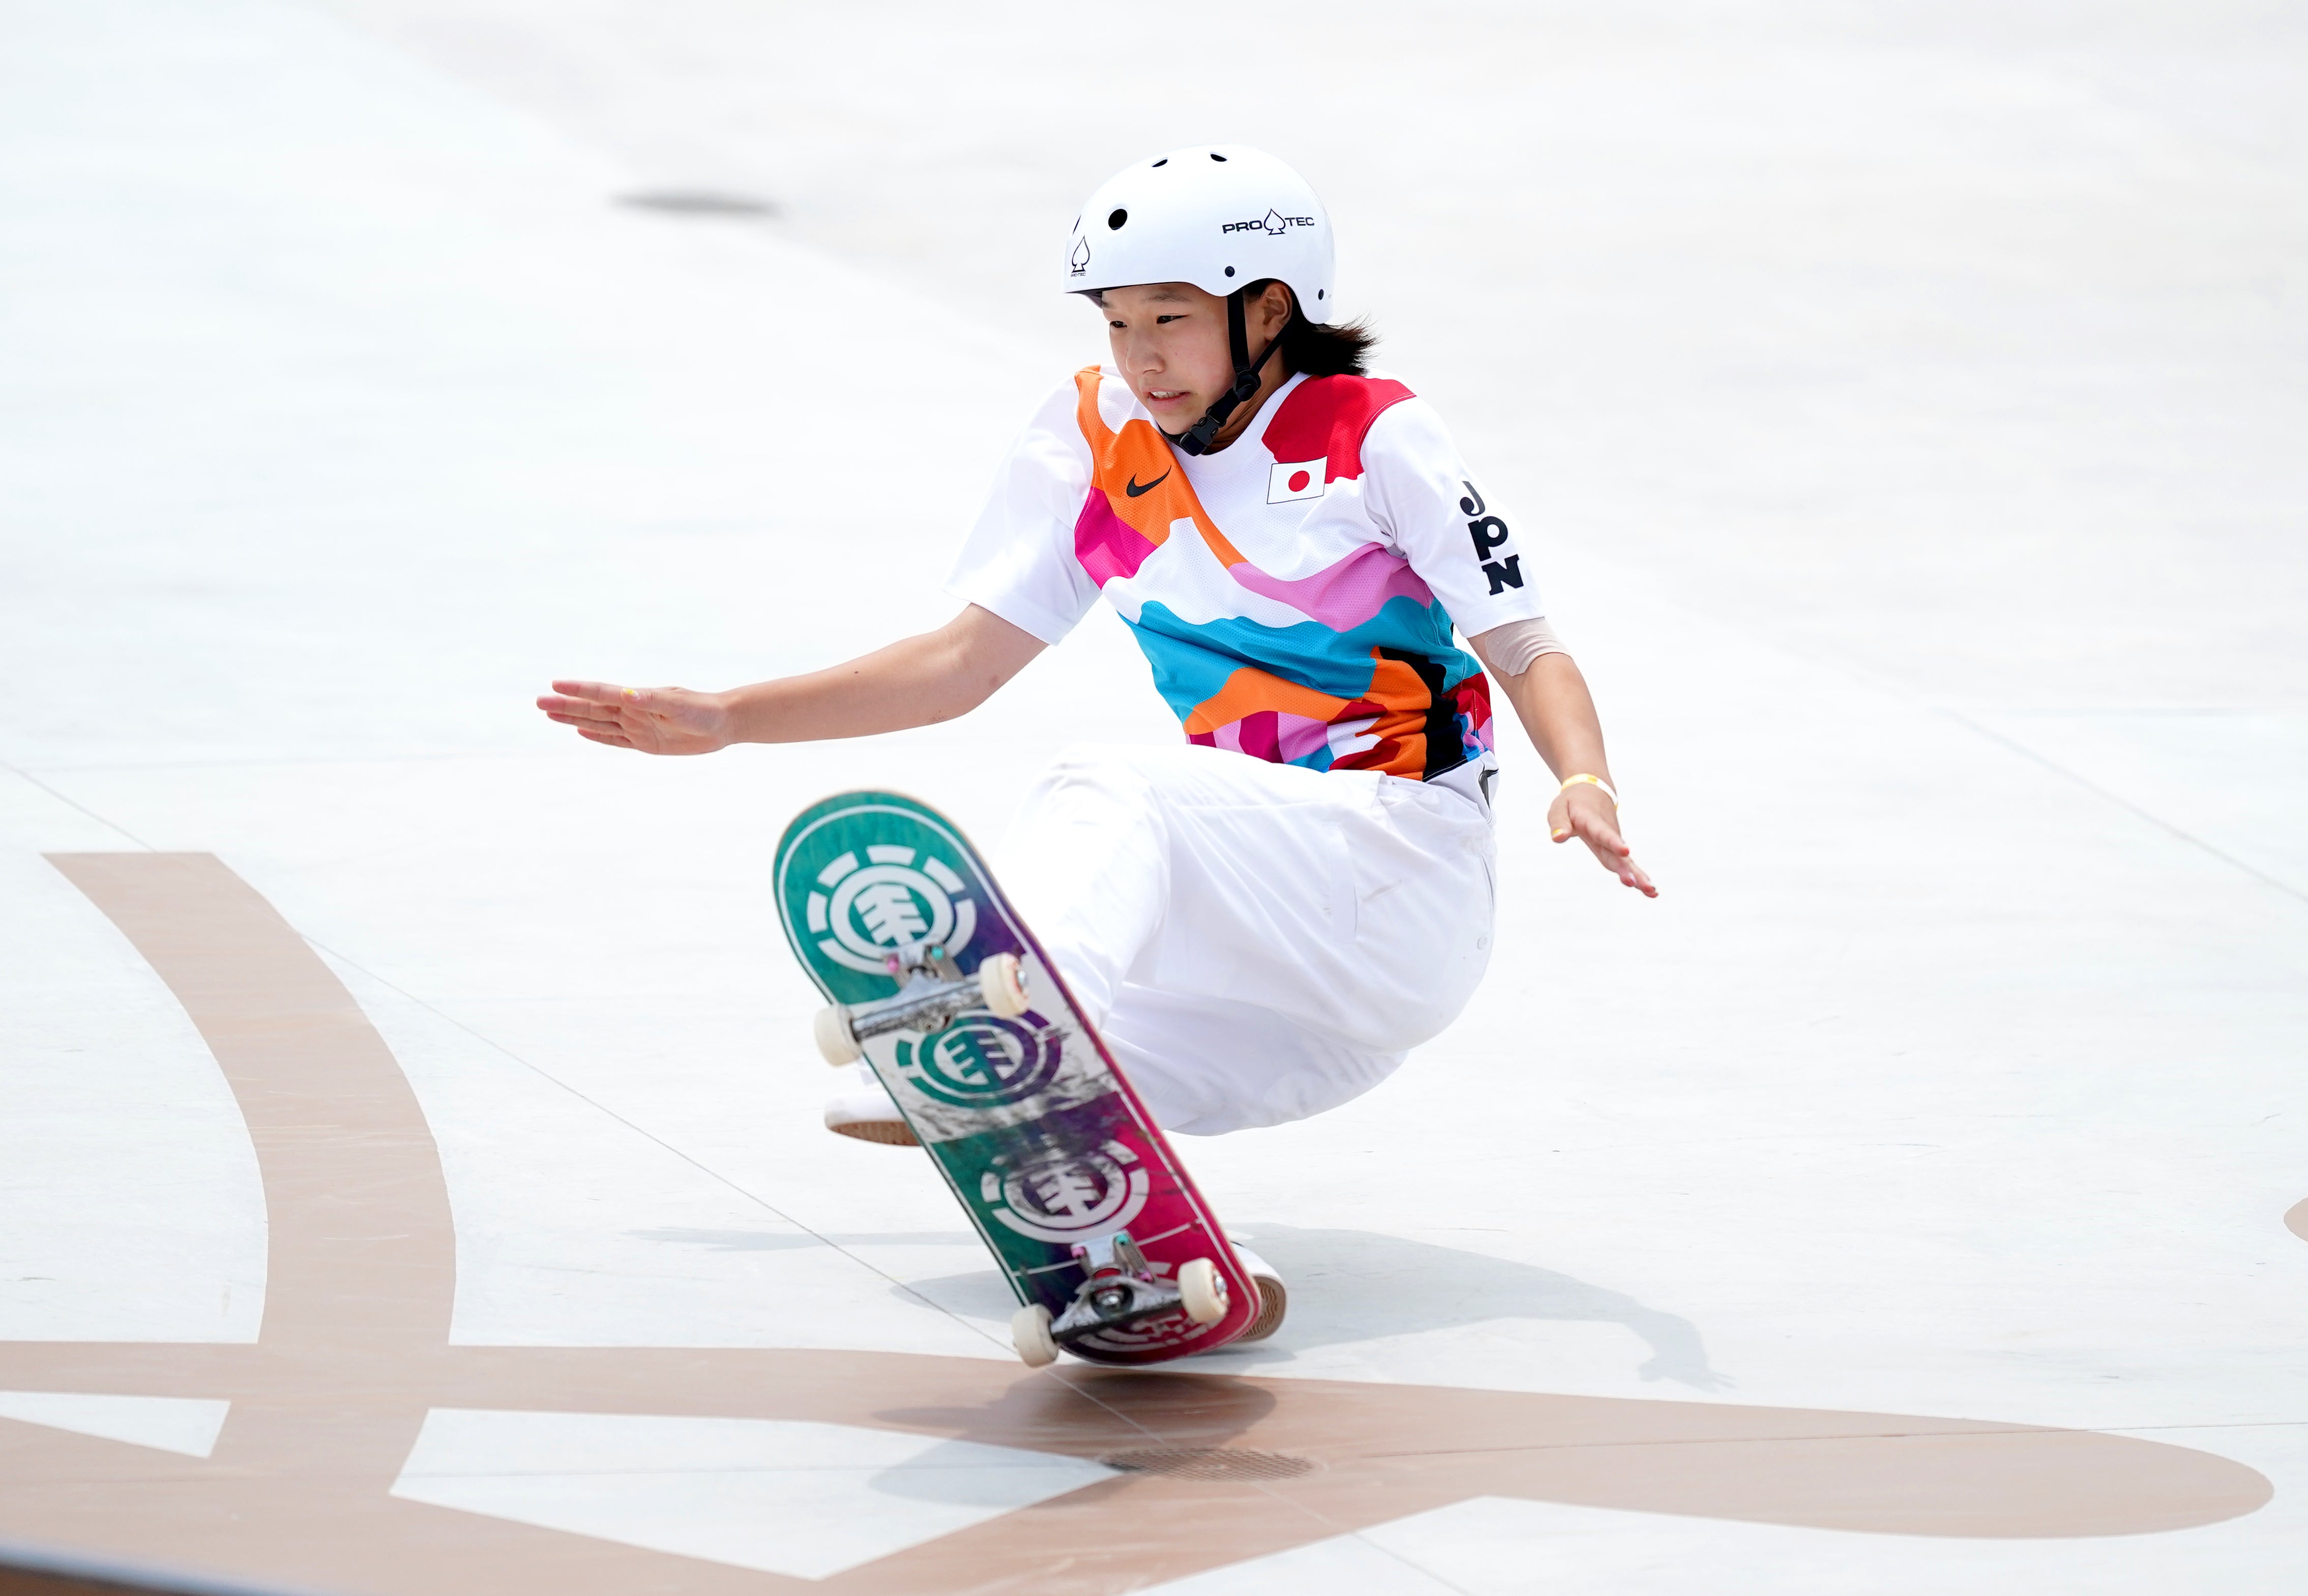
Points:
point(1204, 1289)
point(1029, 1332)
point(1003, 985)
point(835, 1039)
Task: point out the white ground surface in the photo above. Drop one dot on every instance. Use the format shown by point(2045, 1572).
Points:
point(1912, 403)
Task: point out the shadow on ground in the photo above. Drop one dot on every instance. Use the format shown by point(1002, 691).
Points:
point(1346, 1287)
point(1349, 1286)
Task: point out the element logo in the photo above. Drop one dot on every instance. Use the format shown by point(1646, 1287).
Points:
point(983, 1061)
point(1068, 1198)
point(886, 903)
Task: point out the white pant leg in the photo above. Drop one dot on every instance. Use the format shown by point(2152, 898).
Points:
point(1206, 1066)
point(1323, 922)
point(1087, 861)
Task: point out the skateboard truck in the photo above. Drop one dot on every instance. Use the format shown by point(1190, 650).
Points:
point(1119, 1288)
point(932, 993)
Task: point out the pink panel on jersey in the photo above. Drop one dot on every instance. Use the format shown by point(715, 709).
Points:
point(1253, 735)
point(1274, 735)
point(1343, 596)
point(1328, 416)
point(1108, 546)
point(1298, 736)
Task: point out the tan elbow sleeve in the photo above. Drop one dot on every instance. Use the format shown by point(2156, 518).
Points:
point(1509, 650)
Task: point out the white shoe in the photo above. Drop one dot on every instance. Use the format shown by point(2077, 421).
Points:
point(861, 1107)
point(1273, 1297)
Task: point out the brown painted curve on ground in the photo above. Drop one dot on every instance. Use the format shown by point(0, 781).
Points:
point(2295, 1220)
point(354, 1350)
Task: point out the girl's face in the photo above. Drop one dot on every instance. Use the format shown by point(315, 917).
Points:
point(1170, 341)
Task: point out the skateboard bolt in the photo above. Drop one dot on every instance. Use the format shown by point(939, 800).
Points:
point(1113, 1300)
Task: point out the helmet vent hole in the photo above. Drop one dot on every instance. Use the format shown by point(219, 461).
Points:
point(1216, 156)
point(1163, 162)
point(1229, 270)
point(1321, 293)
point(1115, 221)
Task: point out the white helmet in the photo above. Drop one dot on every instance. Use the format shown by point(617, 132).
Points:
point(1218, 216)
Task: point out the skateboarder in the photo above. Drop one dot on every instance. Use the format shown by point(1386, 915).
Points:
point(1264, 919)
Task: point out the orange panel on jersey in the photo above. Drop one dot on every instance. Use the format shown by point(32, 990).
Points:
point(1403, 702)
point(1141, 479)
point(1249, 691)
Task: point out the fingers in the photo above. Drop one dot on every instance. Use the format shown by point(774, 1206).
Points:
point(615, 716)
point(577, 711)
point(1604, 838)
point(601, 704)
point(591, 691)
point(595, 720)
point(1564, 821)
point(1613, 854)
point(1591, 825)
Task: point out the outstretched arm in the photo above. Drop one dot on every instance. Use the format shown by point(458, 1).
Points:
point(915, 681)
point(1552, 700)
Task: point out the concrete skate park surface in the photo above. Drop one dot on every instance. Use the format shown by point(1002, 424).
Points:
point(407, 1124)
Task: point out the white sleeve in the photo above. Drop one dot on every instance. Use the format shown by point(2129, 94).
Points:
point(1461, 542)
point(1018, 560)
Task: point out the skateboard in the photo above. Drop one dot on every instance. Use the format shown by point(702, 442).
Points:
point(933, 979)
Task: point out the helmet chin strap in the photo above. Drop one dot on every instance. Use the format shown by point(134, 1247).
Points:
point(1196, 439)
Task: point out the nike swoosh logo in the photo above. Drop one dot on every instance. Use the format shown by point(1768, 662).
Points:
point(1133, 490)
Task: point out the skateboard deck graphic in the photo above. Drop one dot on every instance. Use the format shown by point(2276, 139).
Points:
point(1038, 1133)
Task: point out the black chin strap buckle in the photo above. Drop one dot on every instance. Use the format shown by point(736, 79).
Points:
point(1196, 439)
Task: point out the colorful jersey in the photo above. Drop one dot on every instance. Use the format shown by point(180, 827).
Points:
point(1295, 592)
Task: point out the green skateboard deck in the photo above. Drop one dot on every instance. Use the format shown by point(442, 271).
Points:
point(1075, 1190)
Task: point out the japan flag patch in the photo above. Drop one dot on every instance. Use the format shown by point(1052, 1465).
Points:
point(1296, 479)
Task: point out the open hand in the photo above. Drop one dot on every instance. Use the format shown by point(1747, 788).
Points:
point(1585, 811)
point(651, 720)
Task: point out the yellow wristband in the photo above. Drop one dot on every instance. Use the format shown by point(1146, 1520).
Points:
point(1570, 781)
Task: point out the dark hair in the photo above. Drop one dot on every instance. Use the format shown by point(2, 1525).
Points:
point(1340, 348)
point(1327, 351)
